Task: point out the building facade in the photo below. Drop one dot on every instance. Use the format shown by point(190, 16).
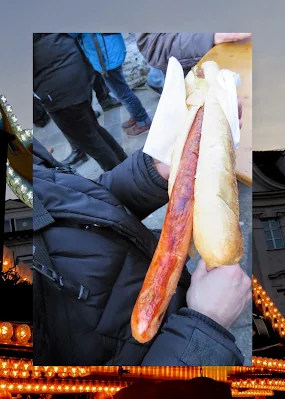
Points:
point(269, 225)
point(18, 237)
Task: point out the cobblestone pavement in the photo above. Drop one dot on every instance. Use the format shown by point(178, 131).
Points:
point(51, 136)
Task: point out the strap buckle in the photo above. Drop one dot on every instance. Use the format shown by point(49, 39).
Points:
point(79, 290)
point(46, 271)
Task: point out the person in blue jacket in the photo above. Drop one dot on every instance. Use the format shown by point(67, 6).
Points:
point(106, 53)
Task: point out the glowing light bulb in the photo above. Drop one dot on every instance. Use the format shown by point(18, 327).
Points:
point(6, 332)
point(23, 334)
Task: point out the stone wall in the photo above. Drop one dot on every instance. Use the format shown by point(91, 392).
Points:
point(135, 67)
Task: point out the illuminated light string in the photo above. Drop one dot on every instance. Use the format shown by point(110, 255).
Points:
point(265, 383)
point(15, 334)
point(61, 386)
point(21, 187)
point(262, 363)
point(22, 368)
point(269, 309)
point(20, 376)
point(40, 386)
point(25, 135)
point(251, 393)
point(19, 368)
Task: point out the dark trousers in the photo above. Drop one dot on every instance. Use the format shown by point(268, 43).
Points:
point(100, 88)
point(80, 126)
point(118, 85)
point(39, 113)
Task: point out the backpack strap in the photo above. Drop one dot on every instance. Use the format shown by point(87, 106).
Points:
point(41, 262)
point(100, 54)
point(43, 267)
point(42, 354)
point(42, 218)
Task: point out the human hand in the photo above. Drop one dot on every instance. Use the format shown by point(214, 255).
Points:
point(161, 168)
point(164, 169)
point(220, 293)
point(229, 37)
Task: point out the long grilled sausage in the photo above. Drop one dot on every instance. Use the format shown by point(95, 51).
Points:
point(168, 261)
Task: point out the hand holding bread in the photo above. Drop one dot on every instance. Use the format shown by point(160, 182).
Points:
point(228, 282)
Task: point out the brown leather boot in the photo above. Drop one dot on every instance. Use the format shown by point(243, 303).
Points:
point(136, 130)
point(129, 123)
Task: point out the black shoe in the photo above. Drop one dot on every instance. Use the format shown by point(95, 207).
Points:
point(42, 122)
point(157, 90)
point(109, 103)
point(75, 158)
point(97, 113)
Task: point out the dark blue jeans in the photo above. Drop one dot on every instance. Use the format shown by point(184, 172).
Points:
point(118, 85)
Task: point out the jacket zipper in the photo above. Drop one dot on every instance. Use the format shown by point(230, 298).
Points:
point(64, 170)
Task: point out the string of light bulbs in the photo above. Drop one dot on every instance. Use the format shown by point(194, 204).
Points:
point(21, 187)
point(269, 309)
point(38, 386)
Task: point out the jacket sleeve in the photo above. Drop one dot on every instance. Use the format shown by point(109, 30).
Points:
point(188, 48)
point(137, 185)
point(192, 339)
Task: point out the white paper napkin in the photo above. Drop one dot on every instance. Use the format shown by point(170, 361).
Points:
point(172, 117)
point(227, 96)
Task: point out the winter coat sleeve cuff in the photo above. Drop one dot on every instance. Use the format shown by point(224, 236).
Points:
point(192, 339)
point(137, 185)
point(153, 173)
point(210, 322)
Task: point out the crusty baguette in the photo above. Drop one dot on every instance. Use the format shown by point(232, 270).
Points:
point(216, 230)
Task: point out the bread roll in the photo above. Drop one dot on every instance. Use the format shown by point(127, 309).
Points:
point(216, 230)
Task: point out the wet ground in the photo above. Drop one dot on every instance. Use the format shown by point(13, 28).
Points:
point(51, 136)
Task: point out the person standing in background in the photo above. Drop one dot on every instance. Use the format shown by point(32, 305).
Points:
point(106, 52)
point(102, 92)
point(187, 48)
point(155, 80)
point(106, 102)
point(62, 84)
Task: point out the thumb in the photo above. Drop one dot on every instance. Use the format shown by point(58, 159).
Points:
point(200, 270)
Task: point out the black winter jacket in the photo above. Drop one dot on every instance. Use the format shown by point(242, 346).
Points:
point(112, 261)
point(61, 75)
